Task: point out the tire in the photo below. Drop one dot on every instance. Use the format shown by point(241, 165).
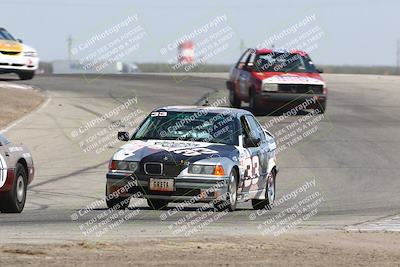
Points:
point(254, 103)
point(270, 194)
point(26, 75)
point(322, 108)
point(119, 203)
point(234, 101)
point(14, 201)
point(157, 204)
point(231, 201)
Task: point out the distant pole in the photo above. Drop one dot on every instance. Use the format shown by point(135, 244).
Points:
point(241, 46)
point(398, 58)
point(69, 41)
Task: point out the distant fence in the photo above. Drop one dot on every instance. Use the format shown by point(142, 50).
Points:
point(163, 67)
point(379, 70)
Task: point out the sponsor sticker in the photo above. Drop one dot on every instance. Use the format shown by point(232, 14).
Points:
point(159, 114)
point(16, 149)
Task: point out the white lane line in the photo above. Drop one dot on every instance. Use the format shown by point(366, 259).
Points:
point(15, 86)
point(15, 123)
point(391, 224)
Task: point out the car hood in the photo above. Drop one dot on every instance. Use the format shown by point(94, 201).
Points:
point(28, 48)
point(290, 78)
point(14, 46)
point(10, 46)
point(172, 151)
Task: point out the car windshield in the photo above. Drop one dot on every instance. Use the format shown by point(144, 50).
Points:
point(283, 62)
point(200, 126)
point(5, 35)
point(3, 140)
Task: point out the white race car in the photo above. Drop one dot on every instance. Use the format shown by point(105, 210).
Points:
point(16, 57)
point(195, 154)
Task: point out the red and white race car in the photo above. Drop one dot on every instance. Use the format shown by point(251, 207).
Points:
point(16, 173)
point(275, 79)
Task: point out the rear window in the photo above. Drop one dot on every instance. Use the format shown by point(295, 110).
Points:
point(284, 62)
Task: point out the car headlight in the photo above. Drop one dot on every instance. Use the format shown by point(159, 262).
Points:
point(30, 54)
point(121, 165)
point(206, 169)
point(270, 87)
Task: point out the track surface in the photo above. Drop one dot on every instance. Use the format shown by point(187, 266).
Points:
point(353, 157)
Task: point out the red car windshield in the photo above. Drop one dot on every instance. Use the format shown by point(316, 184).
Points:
point(283, 62)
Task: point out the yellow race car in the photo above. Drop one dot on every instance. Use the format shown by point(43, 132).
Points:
point(16, 57)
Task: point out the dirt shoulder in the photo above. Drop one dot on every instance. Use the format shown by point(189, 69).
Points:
point(15, 103)
point(301, 249)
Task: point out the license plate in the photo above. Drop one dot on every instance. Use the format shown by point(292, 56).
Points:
point(166, 185)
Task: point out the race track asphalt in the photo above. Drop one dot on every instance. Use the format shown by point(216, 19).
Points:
point(352, 153)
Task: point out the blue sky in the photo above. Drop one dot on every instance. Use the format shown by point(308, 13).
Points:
point(355, 32)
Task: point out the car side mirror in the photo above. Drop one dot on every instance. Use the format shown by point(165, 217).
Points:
point(123, 136)
point(271, 146)
point(252, 142)
point(320, 70)
point(19, 41)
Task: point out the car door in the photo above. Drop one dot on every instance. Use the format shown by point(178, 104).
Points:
point(245, 75)
point(4, 154)
point(251, 159)
point(265, 150)
point(239, 73)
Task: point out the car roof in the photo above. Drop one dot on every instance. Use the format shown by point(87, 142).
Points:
point(209, 109)
point(267, 50)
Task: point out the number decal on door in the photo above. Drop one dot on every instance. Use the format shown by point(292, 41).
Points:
point(252, 166)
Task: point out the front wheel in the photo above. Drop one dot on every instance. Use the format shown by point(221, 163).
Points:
point(26, 75)
point(231, 198)
point(322, 107)
point(269, 194)
point(254, 103)
point(234, 101)
point(14, 201)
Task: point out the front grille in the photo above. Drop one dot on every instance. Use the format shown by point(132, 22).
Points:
point(153, 168)
point(301, 88)
point(172, 169)
point(10, 53)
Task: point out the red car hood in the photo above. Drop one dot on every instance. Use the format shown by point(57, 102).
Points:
point(289, 78)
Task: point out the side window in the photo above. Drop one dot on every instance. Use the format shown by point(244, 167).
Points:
point(245, 127)
point(255, 128)
point(242, 61)
point(250, 59)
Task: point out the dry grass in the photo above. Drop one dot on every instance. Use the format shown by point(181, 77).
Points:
point(305, 249)
point(15, 103)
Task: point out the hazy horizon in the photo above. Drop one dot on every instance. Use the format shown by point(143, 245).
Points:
point(350, 32)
